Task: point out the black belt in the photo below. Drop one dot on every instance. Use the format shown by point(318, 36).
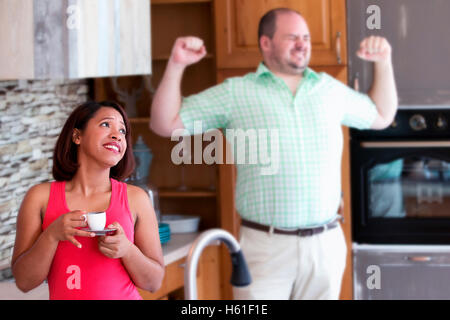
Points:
point(295, 232)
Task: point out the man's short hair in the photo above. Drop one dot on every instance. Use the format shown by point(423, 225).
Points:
point(267, 24)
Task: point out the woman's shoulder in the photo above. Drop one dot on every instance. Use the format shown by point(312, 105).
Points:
point(37, 196)
point(138, 200)
point(41, 190)
point(135, 192)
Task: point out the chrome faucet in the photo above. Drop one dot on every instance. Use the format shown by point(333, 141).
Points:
point(240, 276)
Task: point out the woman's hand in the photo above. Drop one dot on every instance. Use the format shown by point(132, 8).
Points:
point(66, 227)
point(116, 246)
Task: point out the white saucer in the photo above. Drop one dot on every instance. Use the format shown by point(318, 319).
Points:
point(104, 232)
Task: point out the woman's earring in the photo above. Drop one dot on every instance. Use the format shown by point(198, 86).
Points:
point(75, 139)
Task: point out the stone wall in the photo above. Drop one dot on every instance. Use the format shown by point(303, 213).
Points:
point(31, 117)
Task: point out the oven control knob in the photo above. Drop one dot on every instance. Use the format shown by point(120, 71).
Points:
point(417, 122)
point(441, 123)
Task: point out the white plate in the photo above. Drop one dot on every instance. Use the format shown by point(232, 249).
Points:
point(180, 223)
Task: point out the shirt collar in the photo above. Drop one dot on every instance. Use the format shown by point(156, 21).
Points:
point(307, 74)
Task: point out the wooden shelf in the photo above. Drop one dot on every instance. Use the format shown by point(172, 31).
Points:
point(153, 2)
point(190, 193)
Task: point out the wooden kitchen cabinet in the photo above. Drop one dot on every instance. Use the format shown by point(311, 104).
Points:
point(64, 39)
point(182, 189)
point(237, 30)
point(208, 278)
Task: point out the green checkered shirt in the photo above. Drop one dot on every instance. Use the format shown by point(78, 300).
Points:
point(305, 190)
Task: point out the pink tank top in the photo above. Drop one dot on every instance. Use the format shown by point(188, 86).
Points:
point(86, 273)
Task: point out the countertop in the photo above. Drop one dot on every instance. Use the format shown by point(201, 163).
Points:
point(178, 246)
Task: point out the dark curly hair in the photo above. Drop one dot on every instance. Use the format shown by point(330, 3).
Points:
point(65, 161)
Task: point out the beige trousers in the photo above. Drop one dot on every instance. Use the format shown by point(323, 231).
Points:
point(286, 267)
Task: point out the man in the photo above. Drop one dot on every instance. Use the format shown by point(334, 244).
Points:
point(290, 234)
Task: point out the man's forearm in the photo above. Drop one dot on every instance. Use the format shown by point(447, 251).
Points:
point(383, 91)
point(167, 100)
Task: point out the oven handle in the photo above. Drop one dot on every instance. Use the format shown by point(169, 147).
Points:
point(406, 144)
point(419, 258)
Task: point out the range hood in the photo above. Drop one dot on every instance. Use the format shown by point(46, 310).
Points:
point(67, 39)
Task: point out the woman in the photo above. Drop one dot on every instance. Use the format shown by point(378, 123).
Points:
point(92, 154)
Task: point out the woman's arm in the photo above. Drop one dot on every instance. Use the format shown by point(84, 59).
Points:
point(34, 249)
point(143, 259)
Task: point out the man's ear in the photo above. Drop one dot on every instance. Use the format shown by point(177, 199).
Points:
point(264, 43)
point(76, 136)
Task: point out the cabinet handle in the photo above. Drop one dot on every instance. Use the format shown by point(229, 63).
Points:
point(356, 82)
point(338, 47)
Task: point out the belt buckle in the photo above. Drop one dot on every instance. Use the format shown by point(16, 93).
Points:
point(305, 232)
point(313, 231)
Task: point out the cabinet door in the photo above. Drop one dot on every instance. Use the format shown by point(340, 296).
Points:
point(237, 30)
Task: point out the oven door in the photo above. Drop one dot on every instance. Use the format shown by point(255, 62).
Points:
point(401, 192)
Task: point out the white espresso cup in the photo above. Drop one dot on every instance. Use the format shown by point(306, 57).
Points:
point(96, 220)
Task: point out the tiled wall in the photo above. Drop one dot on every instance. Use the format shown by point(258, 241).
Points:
point(31, 116)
